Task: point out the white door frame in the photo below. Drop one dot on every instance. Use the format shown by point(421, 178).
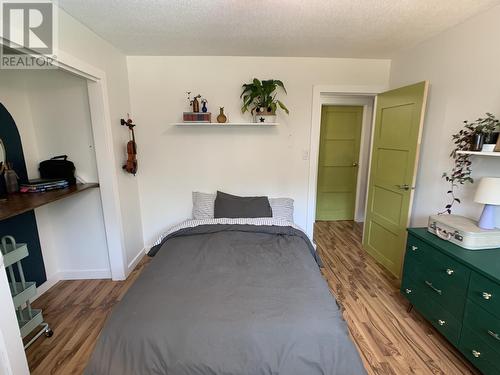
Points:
point(106, 162)
point(342, 95)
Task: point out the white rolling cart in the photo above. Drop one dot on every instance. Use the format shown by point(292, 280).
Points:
point(22, 291)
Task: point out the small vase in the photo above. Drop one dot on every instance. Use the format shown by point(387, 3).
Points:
point(204, 108)
point(11, 183)
point(221, 119)
point(3, 187)
point(477, 142)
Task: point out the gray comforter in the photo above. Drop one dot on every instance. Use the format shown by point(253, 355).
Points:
point(228, 299)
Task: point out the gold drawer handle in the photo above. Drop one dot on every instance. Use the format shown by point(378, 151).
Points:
point(429, 284)
point(414, 248)
point(487, 295)
point(476, 354)
point(449, 271)
point(494, 335)
point(407, 291)
point(441, 322)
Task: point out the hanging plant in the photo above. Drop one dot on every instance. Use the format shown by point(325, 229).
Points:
point(460, 174)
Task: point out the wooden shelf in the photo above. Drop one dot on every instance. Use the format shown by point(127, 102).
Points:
point(215, 124)
point(479, 153)
point(19, 203)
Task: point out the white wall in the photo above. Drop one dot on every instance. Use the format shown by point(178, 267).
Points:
point(51, 111)
point(462, 65)
point(174, 161)
point(80, 42)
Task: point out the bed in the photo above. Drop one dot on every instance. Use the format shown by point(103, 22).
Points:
point(228, 296)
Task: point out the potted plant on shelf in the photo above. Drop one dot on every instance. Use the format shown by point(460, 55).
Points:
point(485, 133)
point(470, 138)
point(259, 97)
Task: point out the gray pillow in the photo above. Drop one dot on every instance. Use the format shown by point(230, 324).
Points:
point(232, 206)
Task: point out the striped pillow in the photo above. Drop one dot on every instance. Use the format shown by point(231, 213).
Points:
point(203, 205)
point(282, 208)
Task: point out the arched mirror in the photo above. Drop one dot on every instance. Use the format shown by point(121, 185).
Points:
point(3, 153)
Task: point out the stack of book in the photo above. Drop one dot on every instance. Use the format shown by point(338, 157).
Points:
point(41, 185)
point(197, 117)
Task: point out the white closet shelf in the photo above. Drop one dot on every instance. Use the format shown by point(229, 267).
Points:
point(479, 153)
point(216, 124)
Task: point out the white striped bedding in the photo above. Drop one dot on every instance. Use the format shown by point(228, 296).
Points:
point(243, 221)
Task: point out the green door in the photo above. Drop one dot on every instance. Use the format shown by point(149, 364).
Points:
point(338, 162)
point(399, 117)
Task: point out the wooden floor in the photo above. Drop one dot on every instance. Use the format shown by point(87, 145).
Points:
point(76, 311)
point(390, 340)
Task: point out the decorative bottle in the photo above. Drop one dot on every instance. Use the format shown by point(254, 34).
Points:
point(221, 119)
point(11, 178)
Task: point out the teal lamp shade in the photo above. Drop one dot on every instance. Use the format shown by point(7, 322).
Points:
point(488, 193)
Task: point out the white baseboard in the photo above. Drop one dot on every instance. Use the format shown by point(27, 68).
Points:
point(103, 273)
point(133, 263)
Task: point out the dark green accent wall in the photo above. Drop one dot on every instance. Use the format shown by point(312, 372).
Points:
point(22, 227)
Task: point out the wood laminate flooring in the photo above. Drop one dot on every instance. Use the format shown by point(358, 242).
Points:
point(390, 340)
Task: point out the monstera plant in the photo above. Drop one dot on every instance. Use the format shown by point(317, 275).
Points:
point(259, 97)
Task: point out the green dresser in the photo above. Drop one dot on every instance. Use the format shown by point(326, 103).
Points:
point(458, 291)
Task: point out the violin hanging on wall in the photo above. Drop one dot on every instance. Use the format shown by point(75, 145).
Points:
point(131, 165)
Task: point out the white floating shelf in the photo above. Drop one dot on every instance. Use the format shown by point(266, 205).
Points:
point(480, 153)
point(216, 124)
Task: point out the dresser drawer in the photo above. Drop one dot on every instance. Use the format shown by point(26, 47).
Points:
point(416, 250)
point(444, 321)
point(436, 264)
point(484, 324)
point(439, 288)
point(479, 353)
point(485, 293)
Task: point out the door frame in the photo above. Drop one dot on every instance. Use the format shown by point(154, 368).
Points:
point(340, 95)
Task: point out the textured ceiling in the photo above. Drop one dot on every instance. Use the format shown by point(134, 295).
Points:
point(330, 28)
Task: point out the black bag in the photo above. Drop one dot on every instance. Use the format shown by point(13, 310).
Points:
point(58, 167)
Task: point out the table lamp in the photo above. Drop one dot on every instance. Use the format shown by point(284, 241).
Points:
point(488, 193)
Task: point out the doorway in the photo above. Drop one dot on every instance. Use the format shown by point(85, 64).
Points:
point(340, 139)
point(341, 96)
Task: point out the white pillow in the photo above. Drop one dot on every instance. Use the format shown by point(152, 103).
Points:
point(282, 208)
point(203, 205)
